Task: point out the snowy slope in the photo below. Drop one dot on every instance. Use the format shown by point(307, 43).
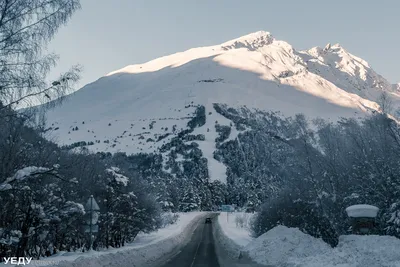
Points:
point(130, 109)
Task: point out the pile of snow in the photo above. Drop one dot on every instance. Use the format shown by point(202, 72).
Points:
point(283, 246)
point(355, 251)
point(370, 250)
point(147, 249)
point(362, 210)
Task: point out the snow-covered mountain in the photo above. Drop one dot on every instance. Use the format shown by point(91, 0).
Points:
point(143, 106)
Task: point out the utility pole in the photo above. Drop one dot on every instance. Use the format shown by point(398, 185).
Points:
point(91, 222)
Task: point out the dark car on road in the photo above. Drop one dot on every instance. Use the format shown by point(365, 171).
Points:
point(208, 220)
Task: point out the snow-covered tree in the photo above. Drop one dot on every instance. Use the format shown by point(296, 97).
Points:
point(393, 222)
point(190, 200)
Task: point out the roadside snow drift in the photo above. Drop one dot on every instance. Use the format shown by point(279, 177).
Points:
point(282, 245)
point(236, 227)
point(289, 247)
point(231, 233)
point(356, 250)
point(223, 238)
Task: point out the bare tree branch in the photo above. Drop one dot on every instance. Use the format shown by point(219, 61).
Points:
point(26, 26)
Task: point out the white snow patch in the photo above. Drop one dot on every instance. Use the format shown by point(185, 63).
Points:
point(184, 219)
point(117, 176)
point(26, 172)
point(362, 210)
point(22, 174)
point(4, 187)
point(282, 244)
point(356, 251)
point(216, 169)
point(289, 247)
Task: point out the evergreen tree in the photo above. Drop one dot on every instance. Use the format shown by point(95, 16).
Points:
point(393, 222)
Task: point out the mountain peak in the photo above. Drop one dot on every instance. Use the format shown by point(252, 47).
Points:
point(327, 47)
point(256, 35)
point(251, 41)
point(149, 104)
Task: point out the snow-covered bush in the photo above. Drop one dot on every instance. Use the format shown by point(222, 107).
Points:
point(169, 218)
point(243, 220)
point(240, 221)
point(393, 222)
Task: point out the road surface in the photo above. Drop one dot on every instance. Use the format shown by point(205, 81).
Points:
point(201, 251)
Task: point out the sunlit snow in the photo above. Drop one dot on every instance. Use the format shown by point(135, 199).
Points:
point(141, 107)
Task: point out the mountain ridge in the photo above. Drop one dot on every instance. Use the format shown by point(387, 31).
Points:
point(142, 107)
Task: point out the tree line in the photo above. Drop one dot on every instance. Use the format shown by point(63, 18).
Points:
point(304, 173)
point(42, 189)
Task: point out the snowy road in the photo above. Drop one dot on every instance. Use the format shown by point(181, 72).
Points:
point(201, 251)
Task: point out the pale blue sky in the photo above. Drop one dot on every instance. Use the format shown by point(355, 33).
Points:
point(107, 35)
